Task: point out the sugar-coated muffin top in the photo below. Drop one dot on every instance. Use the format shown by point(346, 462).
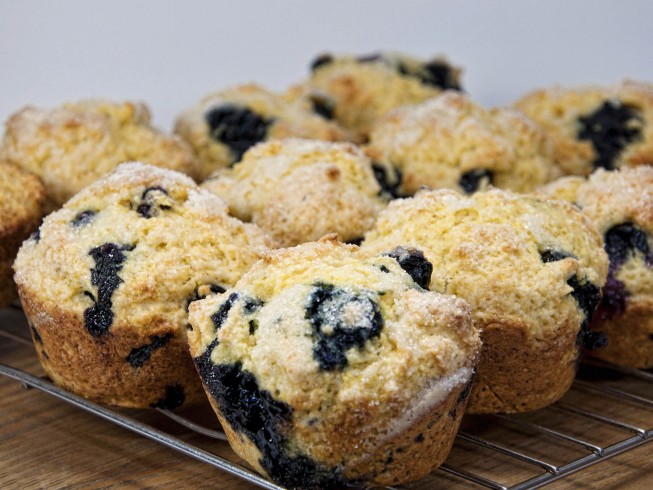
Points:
point(71, 146)
point(620, 204)
point(451, 142)
point(225, 124)
point(514, 258)
point(595, 126)
point(21, 198)
point(299, 190)
point(135, 248)
point(327, 334)
point(366, 87)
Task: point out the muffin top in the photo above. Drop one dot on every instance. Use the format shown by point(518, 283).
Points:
point(299, 190)
point(451, 142)
point(595, 126)
point(71, 146)
point(134, 248)
point(336, 340)
point(366, 87)
point(21, 199)
point(225, 124)
point(515, 258)
point(620, 205)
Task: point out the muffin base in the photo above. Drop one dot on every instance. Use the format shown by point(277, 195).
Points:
point(98, 368)
point(519, 373)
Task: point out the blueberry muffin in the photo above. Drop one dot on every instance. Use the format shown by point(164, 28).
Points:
point(328, 370)
point(366, 87)
point(451, 142)
point(21, 203)
point(299, 190)
point(596, 126)
point(71, 146)
point(106, 283)
point(620, 205)
point(225, 124)
point(531, 269)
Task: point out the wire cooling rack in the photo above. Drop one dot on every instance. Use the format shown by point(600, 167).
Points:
point(608, 411)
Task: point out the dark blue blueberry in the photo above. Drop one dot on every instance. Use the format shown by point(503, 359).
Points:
point(390, 184)
point(237, 127)
point(439, 74)
point(83, 218)
point(610, 128)
point(252, 305)
point(220, 316)
point(555, 255)
point(216, 288)
point(331, 310)
point(371, 58)
point(253, 326)
point(173, 398)
point(355, 241)
point(140, 355)
point(36, 236)
point(265, 421)
point(323, 59)
point(473, 180)
point(615, 297)
point(414, 263)
point(36, 335)
point(149, 205)
point(323, 105)
point(625, 240)
point(109, 259)
point(588, 296)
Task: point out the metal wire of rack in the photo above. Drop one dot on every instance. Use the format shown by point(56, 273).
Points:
point(632, 435)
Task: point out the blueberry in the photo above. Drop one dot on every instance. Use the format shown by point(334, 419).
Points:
point(610, 128)
point(152, 201)
point(323, 105)
point(221, 315)
point(555, 255)
point(237, 127)
point(439, 74)
point(83, 218)
point(615, 296)
point(475, 179)
point(414, 263)
point(216, 288)
point(265, 421)
point(140, 355)
point(323, 59)
point(341, 320)
point(252, 305)
point(622, 241)
point(390, 184)
point(588, 296)
point(36, 236)
point(173, 398)
point(109, 259)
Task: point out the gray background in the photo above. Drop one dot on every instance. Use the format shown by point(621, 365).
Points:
point(170, 53)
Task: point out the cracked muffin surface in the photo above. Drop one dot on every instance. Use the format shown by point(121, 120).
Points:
point(73, 145)
point(106, 283)
point(222, 126)
point(451, 142)
point(300, 190)
point(595, 127)
point(327, 369)
point(531, 269)
point(366, 87)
